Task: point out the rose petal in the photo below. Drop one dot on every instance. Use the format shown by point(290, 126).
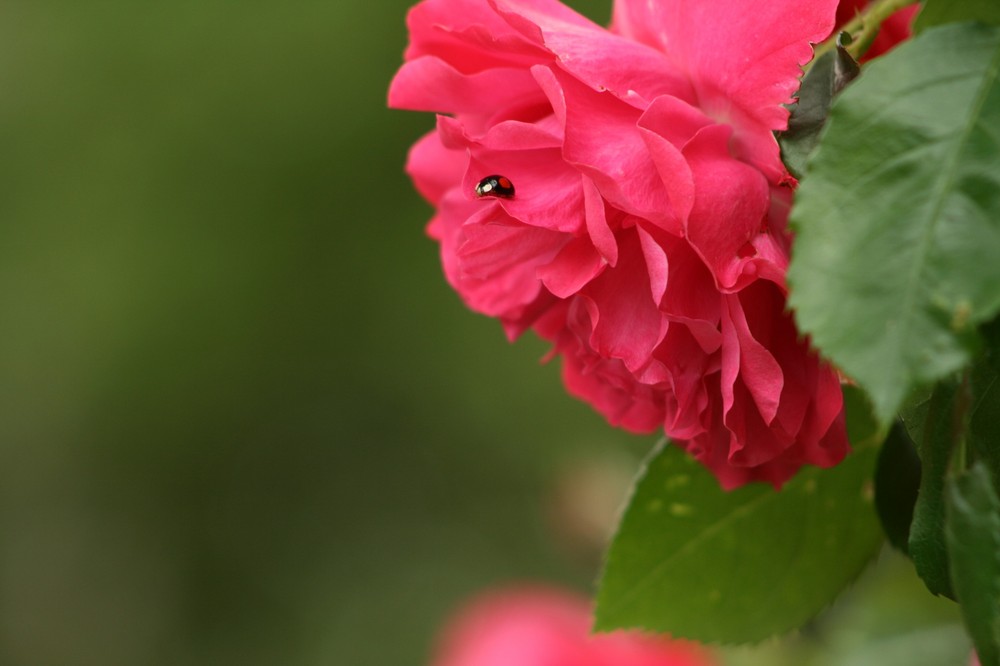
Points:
point(625, 320)
point(548, 193)
point(638, 20)
point(447, 228)
point(731, 203)
point(434, 168)
point(748, 82)
point(738, 53)
point(469, 35)
point(656, 263)
point(688, 365)
point(498, 265)
point(430, 84)
point(598, 58)
point(758, 369)
point(576, 264)
point(691, 292)
point(602, 140)
point(600, 232)
point(506, 136)
point(609, 387)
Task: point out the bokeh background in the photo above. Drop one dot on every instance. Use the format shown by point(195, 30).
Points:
point(242, 418)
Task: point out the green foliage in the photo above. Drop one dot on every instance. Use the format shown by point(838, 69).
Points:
point(826, 77)
point(898, 222)
point(926, 544)
point(701, 563)
point(984, 423)
point(938, 12)
point(960, 419)
point(973, 535)
point(897, 482)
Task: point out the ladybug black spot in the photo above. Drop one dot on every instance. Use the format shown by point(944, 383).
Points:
point(495, 186)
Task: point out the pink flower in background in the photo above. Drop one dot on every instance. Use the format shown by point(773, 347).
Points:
point(536, 626)
point(644, 229)
point(893, 30)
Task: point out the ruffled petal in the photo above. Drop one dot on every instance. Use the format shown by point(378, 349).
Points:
point(638, 20)
point(434, 168)
point(598, 228)
point(453, 211)
point(430, 84)
point(610, 388)
point(626, 322)
point(687, 402)
point(469, 35)
point(731, 204)
point(603, 141)
point(576, 264)
point(666, 127)
point(691, 297)
point(657, 264)
point(739, 53)
point(498, 261)
point(548, 193)
point(598, 58)
point(743, 59)
point(758, 368)
point(504, 136)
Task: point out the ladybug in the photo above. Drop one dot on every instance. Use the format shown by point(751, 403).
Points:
point(495, 186)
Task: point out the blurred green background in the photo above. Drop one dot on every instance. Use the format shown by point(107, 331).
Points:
point(243, 420)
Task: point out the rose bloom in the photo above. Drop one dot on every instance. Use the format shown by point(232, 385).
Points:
point(539, 626)
point(642, 223)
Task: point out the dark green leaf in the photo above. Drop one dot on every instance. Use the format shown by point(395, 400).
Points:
point(897, 481)
point(973, 534)
point(927, 544)
point(898, 221)
point(937, 12)
point(938, 428)
point(991, 336)
point(984, 427)
point(698, 562)
point(826, 77)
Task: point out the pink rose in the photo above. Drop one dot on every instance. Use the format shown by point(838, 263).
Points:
point(538, 626)
point(644, 229)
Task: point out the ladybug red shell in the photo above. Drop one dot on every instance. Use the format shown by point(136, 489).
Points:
point(495, 186)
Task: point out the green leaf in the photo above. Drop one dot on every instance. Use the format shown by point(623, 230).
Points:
point(826, 77)
point(698, 562)
point(984, 425)
point(955, 415)
point(897, 481)
point(973, 534)
point(938, 12)
point(898, 221)
point(927, 545)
